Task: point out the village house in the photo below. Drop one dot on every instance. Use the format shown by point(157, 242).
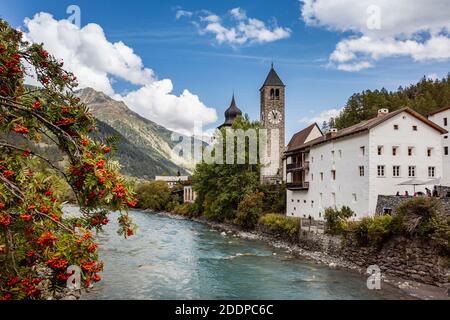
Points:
point(353, 166)
point(172, 181)
point(442, 117)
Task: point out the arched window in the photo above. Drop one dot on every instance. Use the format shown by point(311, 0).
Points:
point(277, 94)
point(272, 94)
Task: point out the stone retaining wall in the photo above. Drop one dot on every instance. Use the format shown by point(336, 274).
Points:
point(417, 260)
point(388, 204)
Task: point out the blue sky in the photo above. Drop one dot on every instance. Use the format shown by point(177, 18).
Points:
point(195, 60)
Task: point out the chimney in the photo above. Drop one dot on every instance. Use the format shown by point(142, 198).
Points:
point(383, 112)
point(332, 133)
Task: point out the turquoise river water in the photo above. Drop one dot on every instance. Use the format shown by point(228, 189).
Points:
point(178, 259)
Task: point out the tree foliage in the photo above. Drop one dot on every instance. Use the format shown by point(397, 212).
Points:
point(221, 187)
point(37, 242)
point(154, 195)
point(424, 97)
point(249, 210)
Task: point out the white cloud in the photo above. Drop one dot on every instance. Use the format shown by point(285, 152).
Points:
point(325, 115)
point(183, 13)
point(96, 62)
point(156, 101)
point(381, 29)
point(238, 14)
point(239, 29)
point(88, 53)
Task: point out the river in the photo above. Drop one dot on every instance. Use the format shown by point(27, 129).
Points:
point(171, 259)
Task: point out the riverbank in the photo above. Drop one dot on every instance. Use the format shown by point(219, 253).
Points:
point(411, 288)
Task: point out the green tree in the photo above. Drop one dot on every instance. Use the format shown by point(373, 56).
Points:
point(424, 97)
point(154, 195)
point(221, 187)
point(249, 210)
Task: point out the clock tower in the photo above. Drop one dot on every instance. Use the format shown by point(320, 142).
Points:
point(273, 120)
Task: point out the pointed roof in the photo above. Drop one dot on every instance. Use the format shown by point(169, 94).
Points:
point(231, 113)
point(300, 137)
point(273, 80)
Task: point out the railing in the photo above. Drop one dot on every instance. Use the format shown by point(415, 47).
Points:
point(298, 186)
point(298, 166)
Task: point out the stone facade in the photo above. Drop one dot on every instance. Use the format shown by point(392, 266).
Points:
point(273, 117)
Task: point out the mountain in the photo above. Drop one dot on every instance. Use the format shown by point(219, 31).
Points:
point(134, 161)
point(140, 135)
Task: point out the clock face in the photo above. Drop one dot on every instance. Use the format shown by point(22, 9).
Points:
point(274, 117)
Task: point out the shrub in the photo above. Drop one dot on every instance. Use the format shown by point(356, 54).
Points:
point(249, 210)
point(416, 217)
point(336, 220)
point(373, 230)
point(188, 210)
point(279, 224)
point(154, 195)
point(423, 217)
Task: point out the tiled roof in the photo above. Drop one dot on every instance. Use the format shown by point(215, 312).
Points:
point(439, 110)
point(367, 125)
point(273, 80)
point(299, 138)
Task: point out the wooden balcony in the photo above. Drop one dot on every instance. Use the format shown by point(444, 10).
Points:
point(298, 166)
point(298, 186)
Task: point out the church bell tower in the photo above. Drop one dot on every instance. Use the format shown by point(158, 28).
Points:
point(273, 120)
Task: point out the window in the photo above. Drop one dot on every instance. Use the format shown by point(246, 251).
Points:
point(414, 128)
point(340, 153)
point(361, 171)
point(312, 176)
point(394, 151)
point(333, 174)
point(412, 171)
point(332, 155)
point(395, 126)
point(446, 151)
point(445, 122)
point(431, 172)
point(380, 150)
point(429, 152)
point(321, 176)
point(396, 171)
point(277, 94)
point(355, 198)
point(321, 157)
point(363, 151)
point(445, 137)
point(272, 94)
point(312, 159)
point(381, 171)
point(410, 151)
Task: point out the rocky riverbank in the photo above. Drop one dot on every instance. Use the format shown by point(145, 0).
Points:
point(409, 287)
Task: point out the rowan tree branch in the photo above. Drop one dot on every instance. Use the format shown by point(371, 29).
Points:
point(13, 104)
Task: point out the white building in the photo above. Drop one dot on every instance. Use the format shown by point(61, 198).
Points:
point(442, 117)
point(172, 181)
point(351, 167)
point(189, 195)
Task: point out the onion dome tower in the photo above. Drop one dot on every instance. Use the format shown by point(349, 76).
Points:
point(231, 114)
